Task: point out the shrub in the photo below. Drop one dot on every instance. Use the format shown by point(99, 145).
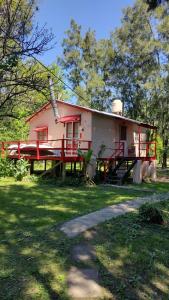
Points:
point(150, 214)
point(7, 168)
point(21, 169)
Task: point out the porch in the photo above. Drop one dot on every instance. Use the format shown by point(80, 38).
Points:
point(114, 166)
point(66, 150)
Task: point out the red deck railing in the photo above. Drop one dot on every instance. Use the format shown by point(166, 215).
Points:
point(142, 150)
point(60, 149)
point(67, 149)
point(145, 149)
point(119, 150)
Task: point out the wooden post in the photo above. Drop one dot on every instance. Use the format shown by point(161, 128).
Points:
point(89, 145)
point(31, 167)
point(45, 165)
point(19, 151)
point(37, 149)
point(62, 150)
point(155, 146)
point(63, 171)
point(75, 167)
point(147, 149)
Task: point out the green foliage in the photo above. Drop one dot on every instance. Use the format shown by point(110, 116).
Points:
point(153, 4)
point(86, 155)
point(17, 129)
point(86, 160)
point(122, 67)
point(160, 149)
point(7, 168)
point(21, 169)
point(14, 129)
point(85, 60)
point(31, 215)
point(150, 214)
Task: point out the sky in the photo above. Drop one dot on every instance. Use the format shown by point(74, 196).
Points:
point(103, 16)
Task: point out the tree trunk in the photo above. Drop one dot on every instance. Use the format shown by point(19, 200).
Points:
point(165, 154)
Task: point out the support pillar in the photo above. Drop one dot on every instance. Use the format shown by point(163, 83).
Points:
point(137, 172)
point(153, 170)
point(63, 171)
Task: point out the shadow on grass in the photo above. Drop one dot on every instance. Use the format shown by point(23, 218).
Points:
point(35, 256)
point(132, 259)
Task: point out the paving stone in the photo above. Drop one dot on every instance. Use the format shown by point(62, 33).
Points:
point(81, 224)
point(90, 234)
point(83, 284)
point(83, 252)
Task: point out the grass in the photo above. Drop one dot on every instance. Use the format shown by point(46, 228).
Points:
point(35, 255)
point(133, 258)
point(163, 172)
point(154, 187)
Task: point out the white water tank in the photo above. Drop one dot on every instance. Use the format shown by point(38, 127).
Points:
point(117, 107)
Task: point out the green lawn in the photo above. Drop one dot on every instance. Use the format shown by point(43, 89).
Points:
point(35, 255)
point(155, 187)
point(133, 258)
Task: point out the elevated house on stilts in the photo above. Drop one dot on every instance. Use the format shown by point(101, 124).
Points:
point(121, 146)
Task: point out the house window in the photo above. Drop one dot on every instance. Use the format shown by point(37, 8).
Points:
point(42, 133)
point(72, 130)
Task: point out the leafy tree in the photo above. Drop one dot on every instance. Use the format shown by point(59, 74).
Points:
point(16, 128)
point(85, 62)
point(139, 71)
point(24, 82)
point(19, 41)
point(152, 4)
point(135, 61)
point(133, 65)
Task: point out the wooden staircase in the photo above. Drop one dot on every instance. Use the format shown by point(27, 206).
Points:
point(121, 173)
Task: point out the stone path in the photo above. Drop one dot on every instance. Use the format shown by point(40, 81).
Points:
point(83, 253)
point(78, 225)
point(83, 282)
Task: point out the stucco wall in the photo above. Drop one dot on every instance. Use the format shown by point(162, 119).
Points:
point(100, 129)
point(106, 131)
point(58, 131)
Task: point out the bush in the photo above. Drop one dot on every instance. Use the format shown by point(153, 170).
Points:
point(150, 214)
point(21, 169)
point(7, 168)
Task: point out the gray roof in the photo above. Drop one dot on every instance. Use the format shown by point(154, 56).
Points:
point(104, 113)
point(107, 114)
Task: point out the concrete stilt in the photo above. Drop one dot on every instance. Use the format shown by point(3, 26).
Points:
point(137, 172)
point(153, 170)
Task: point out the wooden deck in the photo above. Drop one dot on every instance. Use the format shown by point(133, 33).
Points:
point(66, 150)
